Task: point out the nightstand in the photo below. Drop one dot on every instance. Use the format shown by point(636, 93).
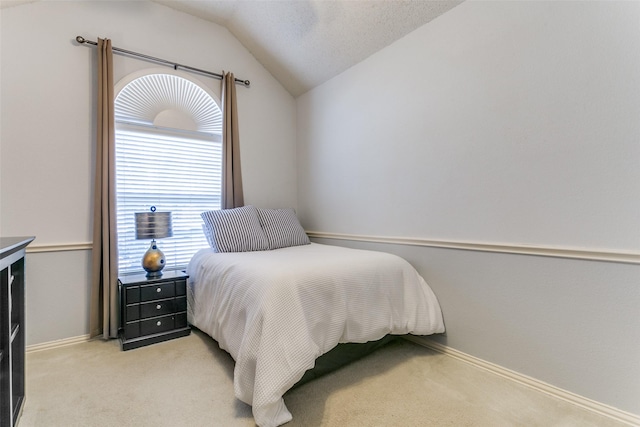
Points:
point(152, 309)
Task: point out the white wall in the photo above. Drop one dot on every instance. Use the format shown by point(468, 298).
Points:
point(499, 122)
point(510, 122)
point(48, 127)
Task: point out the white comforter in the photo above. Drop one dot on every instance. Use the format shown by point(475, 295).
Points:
point(277, 311)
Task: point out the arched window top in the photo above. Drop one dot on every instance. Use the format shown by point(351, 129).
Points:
point(170, 101)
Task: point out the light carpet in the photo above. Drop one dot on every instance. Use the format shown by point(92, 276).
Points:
point(189, 382)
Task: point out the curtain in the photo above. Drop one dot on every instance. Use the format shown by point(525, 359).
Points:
point(104, 287)
point(232, 195)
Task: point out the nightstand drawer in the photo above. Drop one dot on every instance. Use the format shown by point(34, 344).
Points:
point(157, 291)
point(157, 308)
point(133, 294)
point(157, 325)
point(181, 287)
point(132, 330)
point(181, 304)
point(133, 312)
point(181, 320)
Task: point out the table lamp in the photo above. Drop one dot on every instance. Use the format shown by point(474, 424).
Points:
point(153, 225)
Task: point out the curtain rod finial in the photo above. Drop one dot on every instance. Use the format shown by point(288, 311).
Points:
point(80, 39)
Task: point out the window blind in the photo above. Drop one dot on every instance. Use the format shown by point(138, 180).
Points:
point(173, 170)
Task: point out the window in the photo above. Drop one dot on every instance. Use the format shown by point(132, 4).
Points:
point(168, 155)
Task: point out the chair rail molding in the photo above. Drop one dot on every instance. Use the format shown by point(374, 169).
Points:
point(547, 251)
point(60, 247)
point(532, 250)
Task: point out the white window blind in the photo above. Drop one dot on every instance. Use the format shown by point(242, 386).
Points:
point(176, 173)
point(175, 170)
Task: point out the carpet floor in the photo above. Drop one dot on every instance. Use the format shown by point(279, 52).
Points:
point(189, 382)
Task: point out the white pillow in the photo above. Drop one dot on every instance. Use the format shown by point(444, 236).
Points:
point(235, 230)
point(282, 228)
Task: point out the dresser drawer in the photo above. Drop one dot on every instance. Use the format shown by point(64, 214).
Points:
point(157, 291)
point(157, 324)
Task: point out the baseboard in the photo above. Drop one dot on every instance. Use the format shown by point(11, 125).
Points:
point(558, 393)
point(58, 343)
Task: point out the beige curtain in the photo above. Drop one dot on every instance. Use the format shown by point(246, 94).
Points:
point(232, 195)
point(104, 287)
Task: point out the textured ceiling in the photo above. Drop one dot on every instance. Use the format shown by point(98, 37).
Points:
point(304, 43)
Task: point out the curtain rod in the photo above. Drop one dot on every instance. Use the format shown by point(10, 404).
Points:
point(175, 66)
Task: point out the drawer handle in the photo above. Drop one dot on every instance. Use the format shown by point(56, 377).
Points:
point(158, 307)
point(158, 323)
point(159, 290)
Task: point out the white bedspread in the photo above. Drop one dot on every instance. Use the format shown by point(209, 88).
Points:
point(277, 311)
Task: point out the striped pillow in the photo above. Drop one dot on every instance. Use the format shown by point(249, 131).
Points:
point(235, 230)
point(282, 228)
point(209, 235)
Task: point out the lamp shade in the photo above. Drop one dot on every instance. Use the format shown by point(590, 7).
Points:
point(153, 225)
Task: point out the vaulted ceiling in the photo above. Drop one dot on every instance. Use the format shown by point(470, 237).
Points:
point(304, 43)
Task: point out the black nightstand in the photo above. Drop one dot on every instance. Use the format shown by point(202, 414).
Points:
point(152, 309)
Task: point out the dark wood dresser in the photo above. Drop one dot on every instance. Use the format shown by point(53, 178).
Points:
point(152, 309)
point(12, 331)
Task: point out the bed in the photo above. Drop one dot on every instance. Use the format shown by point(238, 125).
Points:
point(277, 310)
